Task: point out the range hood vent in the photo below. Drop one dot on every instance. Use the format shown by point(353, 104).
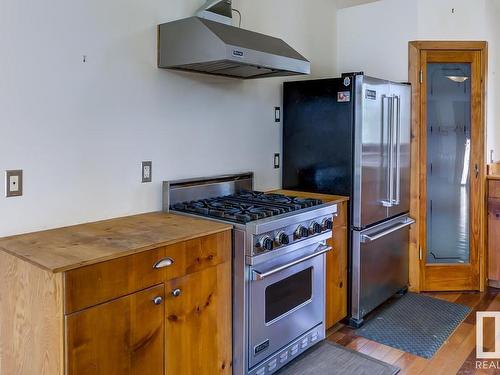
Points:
point(208, 44)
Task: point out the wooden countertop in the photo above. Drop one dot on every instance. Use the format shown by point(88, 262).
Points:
point(63, 249)
point(303, 194)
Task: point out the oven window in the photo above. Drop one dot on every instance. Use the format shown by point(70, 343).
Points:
point(288, 293)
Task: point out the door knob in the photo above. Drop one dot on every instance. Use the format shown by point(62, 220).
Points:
point(157, 300)
point(176, 292)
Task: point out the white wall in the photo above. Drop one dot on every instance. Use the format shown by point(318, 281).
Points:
point(80, 130)
point(493, 36)
point(374, 38)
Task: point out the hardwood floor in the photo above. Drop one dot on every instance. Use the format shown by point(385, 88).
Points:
point(456, 356)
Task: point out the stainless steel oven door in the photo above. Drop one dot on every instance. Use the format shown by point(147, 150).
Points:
point(286, 300)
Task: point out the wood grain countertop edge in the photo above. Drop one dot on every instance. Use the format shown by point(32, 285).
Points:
point(218, 228)
point(111, 257)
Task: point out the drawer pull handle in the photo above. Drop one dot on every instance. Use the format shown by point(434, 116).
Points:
point(167, 262)
point(157, 300)
point(176, 292)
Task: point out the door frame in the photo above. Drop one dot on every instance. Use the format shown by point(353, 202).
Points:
point(417, 260)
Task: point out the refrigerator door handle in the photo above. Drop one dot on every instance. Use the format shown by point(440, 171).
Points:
point(389, 119)
point(397, 123)
point(368, 238)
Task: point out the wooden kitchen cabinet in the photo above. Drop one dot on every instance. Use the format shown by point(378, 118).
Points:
point(196, 313)
point(124, 336)
point(336, 269)
point(198, 323)
point(121, 315)
point(494, 233)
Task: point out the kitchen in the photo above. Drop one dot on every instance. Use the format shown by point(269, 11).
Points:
point(101, 107)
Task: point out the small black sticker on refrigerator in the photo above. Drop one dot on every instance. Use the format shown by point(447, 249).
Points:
point(343, 96)
point(371, 94)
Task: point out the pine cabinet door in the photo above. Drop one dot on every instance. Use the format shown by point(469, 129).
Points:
point(198, 322)
point(121, 337)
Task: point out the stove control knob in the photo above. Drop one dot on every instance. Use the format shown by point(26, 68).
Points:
point(282, 239)
point(301, 232)
point(315, 228)
point(266, 243)
point(327, 224)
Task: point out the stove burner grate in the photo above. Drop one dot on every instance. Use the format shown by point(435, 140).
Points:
point(246, 206)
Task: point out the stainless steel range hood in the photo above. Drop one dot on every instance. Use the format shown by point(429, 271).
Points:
point(202, 45)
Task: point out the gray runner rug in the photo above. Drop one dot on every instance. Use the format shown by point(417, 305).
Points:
point(414, 323)
point(328, 358)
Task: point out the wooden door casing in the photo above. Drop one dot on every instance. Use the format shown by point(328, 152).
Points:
point(123, 336)
point(447, 277)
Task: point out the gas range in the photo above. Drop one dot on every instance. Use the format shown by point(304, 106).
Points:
point(279, 245)
point(245, 206)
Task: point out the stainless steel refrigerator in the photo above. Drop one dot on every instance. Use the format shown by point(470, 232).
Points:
point(351, 136)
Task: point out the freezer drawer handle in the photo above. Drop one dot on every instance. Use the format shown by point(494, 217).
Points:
point(366, 238)
point(262, 275)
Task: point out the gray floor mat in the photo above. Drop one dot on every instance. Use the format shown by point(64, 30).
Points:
point(328, 358)
point(414, 323)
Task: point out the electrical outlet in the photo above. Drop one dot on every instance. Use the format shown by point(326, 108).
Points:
point(147, 171)
point(14, 183)
point(276, 161)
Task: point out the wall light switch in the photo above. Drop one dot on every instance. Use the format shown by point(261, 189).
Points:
point(276, 161)
point(14, 183)
point(277, 114)
point(147, 171)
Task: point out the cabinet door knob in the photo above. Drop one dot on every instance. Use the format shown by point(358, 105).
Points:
point(157, 300)
point(176, 292)
point(167, 262)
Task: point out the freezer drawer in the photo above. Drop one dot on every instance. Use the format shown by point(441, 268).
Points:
point(379, 264)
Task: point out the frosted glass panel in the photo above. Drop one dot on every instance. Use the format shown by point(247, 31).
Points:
point(448, 153)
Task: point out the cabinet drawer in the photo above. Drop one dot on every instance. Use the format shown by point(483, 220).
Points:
point(98, 283)
point(494, 189)
point(195, 255)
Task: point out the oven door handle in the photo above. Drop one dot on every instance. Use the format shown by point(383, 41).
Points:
point(322, 249)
